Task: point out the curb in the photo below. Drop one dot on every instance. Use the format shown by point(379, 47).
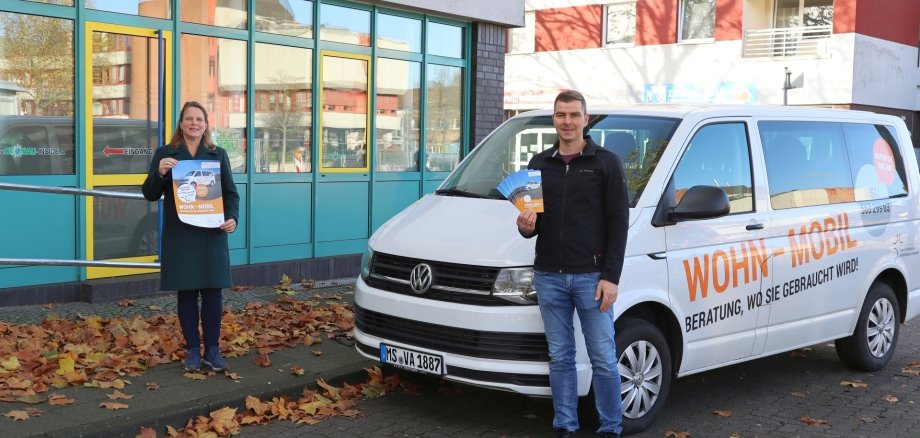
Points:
point(179, 415)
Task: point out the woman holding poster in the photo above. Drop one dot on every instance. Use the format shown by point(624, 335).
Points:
point(200, 206)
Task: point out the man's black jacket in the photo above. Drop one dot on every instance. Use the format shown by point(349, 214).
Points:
point(585, 219)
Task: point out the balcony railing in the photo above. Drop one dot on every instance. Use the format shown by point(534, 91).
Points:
point(786, 42)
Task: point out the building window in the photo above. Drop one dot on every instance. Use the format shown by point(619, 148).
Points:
point(143, 8)
point(225, 13)
point(282, 141)
point(344, 117)
point(399, 33)
point(228, 128)
point(36, 82)
point(521, 39)
point(292, 18)
point(697, 19)
point(398, 92)
point(445, 40)
point(803, 13)
point(445, 111)
point(620, 25)
point(344, 25)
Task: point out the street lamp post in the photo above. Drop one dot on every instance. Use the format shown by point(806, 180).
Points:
point(787, 85)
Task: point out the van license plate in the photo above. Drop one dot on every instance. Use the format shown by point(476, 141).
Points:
point(412, 360)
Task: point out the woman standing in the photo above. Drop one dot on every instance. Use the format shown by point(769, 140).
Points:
point(194, 261)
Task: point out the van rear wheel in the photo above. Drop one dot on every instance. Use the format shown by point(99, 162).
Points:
point(872, 344)
point(645, 372)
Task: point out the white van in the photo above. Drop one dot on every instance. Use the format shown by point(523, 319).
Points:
point(753, 230)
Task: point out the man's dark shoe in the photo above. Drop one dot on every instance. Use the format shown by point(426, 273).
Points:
point(609, 435)
point(213, 360)
point(193, 360)
point(562, 433)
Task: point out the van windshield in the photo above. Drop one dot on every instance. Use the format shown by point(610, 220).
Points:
point(638, 140)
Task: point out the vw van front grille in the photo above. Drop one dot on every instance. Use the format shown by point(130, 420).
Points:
point(466, 342)
point(452, 282)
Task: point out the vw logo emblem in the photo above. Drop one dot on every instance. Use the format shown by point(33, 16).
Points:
point(420, 278)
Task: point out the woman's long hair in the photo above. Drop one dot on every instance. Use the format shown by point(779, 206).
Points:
point(178, 138)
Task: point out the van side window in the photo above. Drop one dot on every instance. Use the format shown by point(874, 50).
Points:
point(876, 162)
point(807, 163)
point(719, 155)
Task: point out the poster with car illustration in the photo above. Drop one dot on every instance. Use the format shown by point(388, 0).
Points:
point(196, 186)
point(524, 189)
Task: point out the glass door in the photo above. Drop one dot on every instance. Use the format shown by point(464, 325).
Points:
point(342, 212)
point(128, 105)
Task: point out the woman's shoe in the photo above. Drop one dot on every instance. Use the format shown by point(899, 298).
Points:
point(193, 360)
point(213, 360)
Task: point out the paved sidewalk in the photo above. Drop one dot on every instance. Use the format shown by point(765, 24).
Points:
point(179, 398)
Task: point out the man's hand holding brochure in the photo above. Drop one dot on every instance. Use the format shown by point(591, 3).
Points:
point(524, 189)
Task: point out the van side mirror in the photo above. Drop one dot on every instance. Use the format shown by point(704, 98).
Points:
point(701, 202)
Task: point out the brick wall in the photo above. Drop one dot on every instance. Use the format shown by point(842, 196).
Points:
point(488, 81)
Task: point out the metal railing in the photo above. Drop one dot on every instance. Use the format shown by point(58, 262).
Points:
point(786, 42)
point(75, 262)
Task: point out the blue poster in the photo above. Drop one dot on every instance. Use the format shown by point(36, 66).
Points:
point(722, 92)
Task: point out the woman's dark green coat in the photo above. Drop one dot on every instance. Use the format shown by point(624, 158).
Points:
point(192, 257)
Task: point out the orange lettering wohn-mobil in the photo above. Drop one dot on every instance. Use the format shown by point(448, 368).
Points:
point(719, 265)
point(820, 238)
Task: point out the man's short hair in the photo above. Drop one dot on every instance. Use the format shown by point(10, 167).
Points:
point(571, 96)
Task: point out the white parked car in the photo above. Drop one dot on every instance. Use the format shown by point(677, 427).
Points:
point(197, 177)
point(753, 230)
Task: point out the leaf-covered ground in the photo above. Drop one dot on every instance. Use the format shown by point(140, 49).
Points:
point(90, 351)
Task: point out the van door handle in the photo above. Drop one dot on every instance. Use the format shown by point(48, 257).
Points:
point(751, 227)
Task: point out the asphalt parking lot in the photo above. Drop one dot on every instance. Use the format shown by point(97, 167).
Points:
point(805, 393)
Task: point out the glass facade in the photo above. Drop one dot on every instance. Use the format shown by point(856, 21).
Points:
point(327, 110)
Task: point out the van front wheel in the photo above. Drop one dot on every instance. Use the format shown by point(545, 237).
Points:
point(872, 344)
point(645, 372)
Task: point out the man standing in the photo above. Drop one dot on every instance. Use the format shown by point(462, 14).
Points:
point(579, 258)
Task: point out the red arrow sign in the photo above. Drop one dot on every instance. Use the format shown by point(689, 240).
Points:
point(113, 151)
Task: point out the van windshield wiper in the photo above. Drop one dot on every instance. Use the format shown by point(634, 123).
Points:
point(453, 191)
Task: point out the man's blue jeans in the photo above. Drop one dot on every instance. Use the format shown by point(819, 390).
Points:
point(560, 296)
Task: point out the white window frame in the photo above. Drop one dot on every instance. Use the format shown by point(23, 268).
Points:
point(680, 24)
point(800, 17)
point(630, 25)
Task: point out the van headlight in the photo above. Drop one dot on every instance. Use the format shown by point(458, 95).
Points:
point(515, 285)
point(366, 263)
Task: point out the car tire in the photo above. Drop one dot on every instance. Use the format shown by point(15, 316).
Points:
point(645, 372)
point(873, 342)
point(645, 376)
